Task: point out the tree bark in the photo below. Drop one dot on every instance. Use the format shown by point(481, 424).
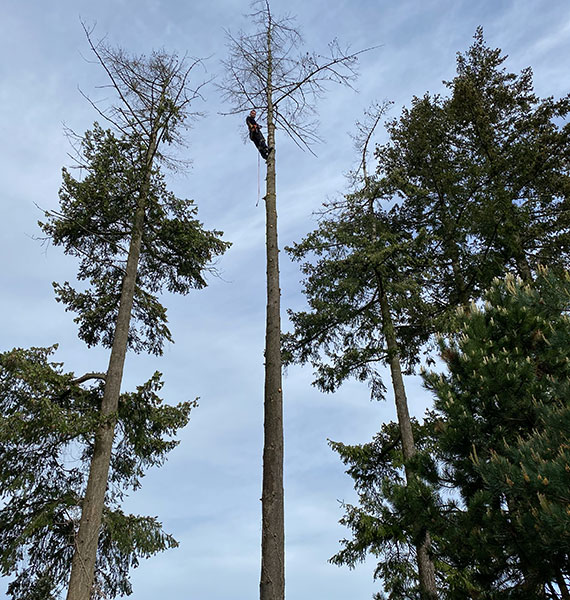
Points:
point(86, 543)
point(562, 585)
point(272, 582)
point(426, 568)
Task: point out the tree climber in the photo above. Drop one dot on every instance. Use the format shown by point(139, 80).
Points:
point(256, 136)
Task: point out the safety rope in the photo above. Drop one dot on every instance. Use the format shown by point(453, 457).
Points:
point(258, 180)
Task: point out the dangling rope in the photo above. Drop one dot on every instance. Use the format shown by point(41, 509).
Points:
point(258, 180)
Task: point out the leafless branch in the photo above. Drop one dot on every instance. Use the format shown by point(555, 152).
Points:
point(365, 131)
point(87, 377)
point(298, 78)
point(154, 94)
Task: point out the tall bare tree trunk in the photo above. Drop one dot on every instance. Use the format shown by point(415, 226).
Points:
point(254, 61)
point(272, 582)
point(85, 554)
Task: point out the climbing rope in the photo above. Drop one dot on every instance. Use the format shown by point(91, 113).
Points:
point(258, 181)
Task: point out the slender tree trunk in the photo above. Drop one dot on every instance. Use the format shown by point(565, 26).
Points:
point(521, 260)
point(426, 568)
point(451, 250)
point(452, 253)
point(85, 554)
point(272, 582)
point(562, 585)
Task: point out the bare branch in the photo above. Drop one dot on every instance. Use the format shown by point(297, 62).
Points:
point(328, 68)
point(366, 130)
point(154, 95)
point(110, 73)
point(87, 377)
point(295, 79)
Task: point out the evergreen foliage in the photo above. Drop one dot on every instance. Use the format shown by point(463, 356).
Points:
point(492, 463)
point(353, 258)
point(484, 171)
point(94, 224)
point(504, 440)
point(47, 429)
point(393, 513)
point(468, 188)
point(134, 240)
point(456, 220)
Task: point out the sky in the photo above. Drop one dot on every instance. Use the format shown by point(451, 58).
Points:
point(207, 494)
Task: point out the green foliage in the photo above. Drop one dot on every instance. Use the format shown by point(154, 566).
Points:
point(135, 240)
point(357, 255)
point(484, 172)
point(492, 463)
point(468, 205)
point(95, 224)
point(123, 540)
point(424, 168)
point(479, 182)
point(505, 442)
point(392, 514)
point(47, 427)
point(521, 153)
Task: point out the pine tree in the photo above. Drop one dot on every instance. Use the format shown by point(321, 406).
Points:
point(502, 439)
point(492, 458)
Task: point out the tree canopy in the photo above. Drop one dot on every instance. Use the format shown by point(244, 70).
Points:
point(469, 187)
point(46, 441)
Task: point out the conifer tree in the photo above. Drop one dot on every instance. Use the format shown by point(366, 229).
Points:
point(492, 458)
point(47, 421)
point(393, 511)
point(517, 144)
point(485, 172)
point(364, 297)
point(463, 220)
point(501, 429)
point(134, 238)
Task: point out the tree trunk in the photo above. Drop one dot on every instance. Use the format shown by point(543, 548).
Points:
point(272, 582)
point(451, 250)
point(562, 585)
point(523, 267)
point(426, 568)
point(85, 553)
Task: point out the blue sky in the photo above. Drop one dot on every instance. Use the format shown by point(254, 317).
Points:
point(207, 494)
